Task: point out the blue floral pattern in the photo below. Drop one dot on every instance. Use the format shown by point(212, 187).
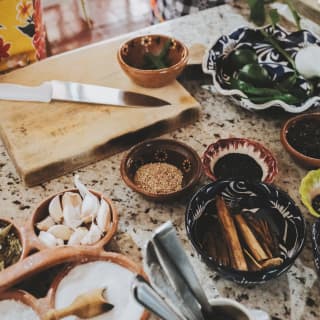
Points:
point(272, 61)
point(262, 201)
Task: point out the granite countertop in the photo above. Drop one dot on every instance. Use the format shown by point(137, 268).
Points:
point(295, 295)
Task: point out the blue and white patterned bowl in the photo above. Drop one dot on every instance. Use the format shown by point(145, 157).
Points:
point(273, 62)
point(316, 244)
point(260, 200)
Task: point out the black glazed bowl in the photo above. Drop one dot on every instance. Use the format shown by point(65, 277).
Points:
point(259, 199)
point(316, 244)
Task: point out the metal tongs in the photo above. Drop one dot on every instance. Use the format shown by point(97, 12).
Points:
point(172, 274)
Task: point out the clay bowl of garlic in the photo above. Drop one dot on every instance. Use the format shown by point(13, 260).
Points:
point(76, 217)
point(71, 219)
point(69, 231)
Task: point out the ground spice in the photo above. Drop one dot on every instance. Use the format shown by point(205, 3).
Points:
point(159, 178)
point(316, 203)
point(10, 247)
point(304, 136)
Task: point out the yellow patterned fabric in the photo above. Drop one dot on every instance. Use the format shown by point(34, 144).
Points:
point(22, 34)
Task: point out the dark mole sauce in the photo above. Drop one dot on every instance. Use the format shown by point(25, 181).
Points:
point(238, 166)
point(316, 203)
point(304, 136)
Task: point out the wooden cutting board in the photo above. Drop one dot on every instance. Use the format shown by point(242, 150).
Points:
point(309, 8)
point(48, 140)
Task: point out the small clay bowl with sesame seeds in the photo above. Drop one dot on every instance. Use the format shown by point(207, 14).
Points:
point(161, 169)
point(153, 60)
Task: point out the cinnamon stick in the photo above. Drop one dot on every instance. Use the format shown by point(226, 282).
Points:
point(250, 240)
point(229, 229)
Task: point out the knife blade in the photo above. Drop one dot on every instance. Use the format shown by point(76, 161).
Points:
point(78, 92)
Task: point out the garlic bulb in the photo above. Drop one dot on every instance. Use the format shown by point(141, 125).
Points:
point(77, 236)
point(92, 236)
point(49, 239)
point(55, 209)
point(307, 61)
point(90, 203)
point(103, 215)
point(71, 203)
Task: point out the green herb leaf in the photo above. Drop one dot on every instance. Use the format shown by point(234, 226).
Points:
point(295, 14)
point(257, 11)
point(274, 16)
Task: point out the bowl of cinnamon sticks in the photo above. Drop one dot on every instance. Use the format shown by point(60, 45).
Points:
point(249, 232)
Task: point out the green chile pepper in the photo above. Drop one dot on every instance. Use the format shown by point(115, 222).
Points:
point(255, 74)
point(251, 90)
point(262, 95)
point(285, 97)
point(241, 57)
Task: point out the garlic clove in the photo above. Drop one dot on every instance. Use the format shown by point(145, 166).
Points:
point(306, 61)
point(61, 231)
point(48, 239)
point(90, 206)
point(77, 236)
point(92, 236)
point(103, 216)
point(80, 186)
point(55, 209)
point(45, 224)
point(71, 203)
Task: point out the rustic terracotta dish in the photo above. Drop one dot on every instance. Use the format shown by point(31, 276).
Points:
point(252, 154)
point(165, 151)
point(48, 258)
point(42, 211)
point(104, 256)
point(23, 297)
point(302, 121)
point(259, 201)
point(132, 59)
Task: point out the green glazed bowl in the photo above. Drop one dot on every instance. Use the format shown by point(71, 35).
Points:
point(309, 189)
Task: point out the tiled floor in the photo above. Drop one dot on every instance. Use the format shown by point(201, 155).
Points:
point(67, 29)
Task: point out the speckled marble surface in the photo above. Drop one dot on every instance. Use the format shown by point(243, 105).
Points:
point(296, 294)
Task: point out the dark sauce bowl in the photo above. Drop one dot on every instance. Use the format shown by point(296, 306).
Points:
point(316, 244)
point(261, 201)
point(239, 158)
point(300, 136)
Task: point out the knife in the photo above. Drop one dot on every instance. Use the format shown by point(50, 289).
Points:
point(78, 92)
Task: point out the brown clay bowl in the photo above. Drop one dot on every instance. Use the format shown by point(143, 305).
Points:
point(302, 123)
point(18, 233)
point(22, 297)
point(251, 154)
point(34, 244)
point(132, 59)
point(162, 150)
point(112, 257)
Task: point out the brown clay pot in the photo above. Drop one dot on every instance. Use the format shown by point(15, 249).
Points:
point(102, 256)
point(131, 57)
point(23, 297)
point(162, 150)
point(34, 244)
point(300, 158)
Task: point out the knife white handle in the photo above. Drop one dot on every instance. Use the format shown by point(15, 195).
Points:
point(42, 93)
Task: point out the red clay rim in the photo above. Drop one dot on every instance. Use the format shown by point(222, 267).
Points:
point(267, 157)
point(182, 62)
point(294, 152)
